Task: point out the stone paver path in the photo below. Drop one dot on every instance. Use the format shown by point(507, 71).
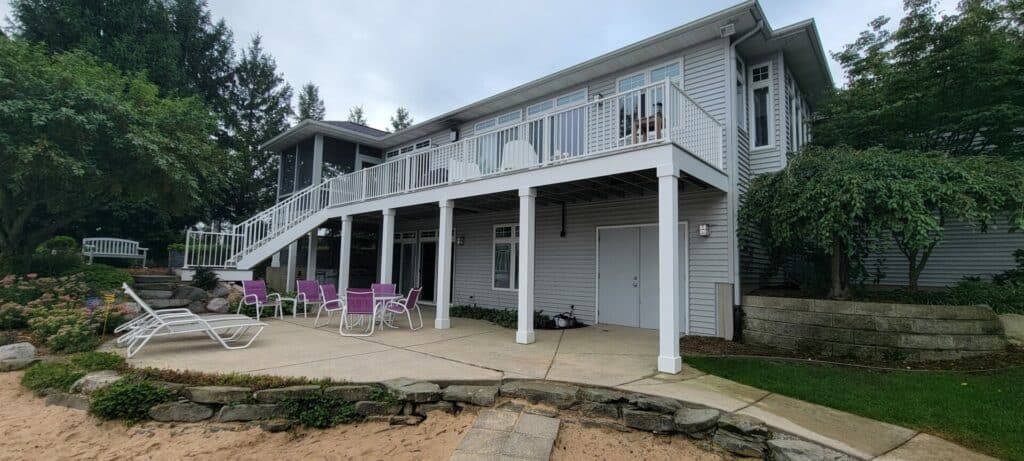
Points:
point(508, 435)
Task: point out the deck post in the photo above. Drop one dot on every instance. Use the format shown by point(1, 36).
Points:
point(442, 292)
point(387, 245)
point(345, 252)
point(311, 255)
point(669, 299)
point(527, 242)
point(293, 253)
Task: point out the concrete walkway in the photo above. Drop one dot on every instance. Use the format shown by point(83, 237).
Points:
point(474, 350)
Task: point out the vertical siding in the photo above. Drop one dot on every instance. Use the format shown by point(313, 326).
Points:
point(963, 252)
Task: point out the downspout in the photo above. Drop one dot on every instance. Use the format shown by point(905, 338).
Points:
point(734, 164)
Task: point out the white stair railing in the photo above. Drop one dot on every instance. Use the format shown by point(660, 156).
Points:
point(652, 114)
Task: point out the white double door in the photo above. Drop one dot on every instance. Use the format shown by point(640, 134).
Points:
point(628, 275)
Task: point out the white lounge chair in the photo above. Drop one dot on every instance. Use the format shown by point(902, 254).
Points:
point(181, 321)
point(517, 155)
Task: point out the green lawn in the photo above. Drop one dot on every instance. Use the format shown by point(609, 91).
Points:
point(983, 411)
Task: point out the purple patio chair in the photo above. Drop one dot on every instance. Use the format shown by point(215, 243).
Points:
point(383, 288)
point(405, 306)
point(358, 302)
point(331, 303)
point(255, 294)
point(309, 293)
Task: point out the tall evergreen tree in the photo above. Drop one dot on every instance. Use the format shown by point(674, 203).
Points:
point(401, 119)
point(310, 104)
point(207, 53)
point(355, 115)
point(260, 108)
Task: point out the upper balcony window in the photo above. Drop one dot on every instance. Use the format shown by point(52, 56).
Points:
point(497, 122)
point(560, 101)
point(407, 149)
point(761, 106)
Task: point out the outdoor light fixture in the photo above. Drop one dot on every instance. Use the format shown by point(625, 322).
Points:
point(460, 240)
point(704, 230)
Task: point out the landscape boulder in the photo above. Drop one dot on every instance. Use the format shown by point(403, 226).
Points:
point(284, 393)
point(94, 381)
point(218, 394)
point(799, 450)
point(648, 421)
point(483, 396)
point(351, 392)
point(414, 391)
point(17, 351)
point(658, 404)
point(180, 412)
point(374, 408)
point(16, 364)
point(558, 395)
point(218, 306)
point(190, 293)
point(601, 395)
point(742, 435)
point(250, 412)
point(64, 399)
point(696, 422)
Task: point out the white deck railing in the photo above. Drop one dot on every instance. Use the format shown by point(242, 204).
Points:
point(653, 114)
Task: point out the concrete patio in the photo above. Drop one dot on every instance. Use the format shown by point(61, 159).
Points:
point(474, 350)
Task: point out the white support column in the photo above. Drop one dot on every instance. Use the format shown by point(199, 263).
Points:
point(289, 277)
point(387, 245)
point(311, 239)
point(442, 292)
point(346, 253)
point(527, 242)
point(669, 298)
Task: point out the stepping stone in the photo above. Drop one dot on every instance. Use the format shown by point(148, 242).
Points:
point(154, 294)
point(154, 286)
point(498, 434)
point(156, 278)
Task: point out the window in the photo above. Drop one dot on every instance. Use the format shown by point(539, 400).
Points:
point(661, 73)
point(506, 257)
point(570, 98)
point(563, 100)
point(540, 108)
point(631, 82)
point(406, 149)
point(761, 110)
point(501, 120)
point(423, 144)
point(741, 96)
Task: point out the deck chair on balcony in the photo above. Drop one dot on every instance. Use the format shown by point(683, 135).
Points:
point(224, 330)
point(405, 306)
point(330, 303)
point(309, 293)
point(460, 171)
point(517, 155)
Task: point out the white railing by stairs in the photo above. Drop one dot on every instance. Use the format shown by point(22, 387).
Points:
point(653, 114)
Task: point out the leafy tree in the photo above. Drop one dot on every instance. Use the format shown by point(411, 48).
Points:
point(78, 136)
point(355, 115)
point(401, 119)
point(310, 104)
point(261, 105)
point(848, 203)
point(951, 83)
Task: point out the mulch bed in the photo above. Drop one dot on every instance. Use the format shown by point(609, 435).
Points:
point(707, 346)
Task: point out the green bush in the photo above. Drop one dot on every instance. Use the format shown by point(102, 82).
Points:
point(55, 265)
point(75, 337)
point(106, 319)
point(96, 361)
point(507, 318)
point(50, 375)
point(48, 322)
point(127, 400)
point(19, 294)
point(1003, 299)
point(1013, 276)
point(204, 278)
point(8, 337)
point(58, 245)
point(320, 411)
point(99, 277)
point(13, 317)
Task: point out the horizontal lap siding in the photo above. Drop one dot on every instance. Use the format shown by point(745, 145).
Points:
point(566, 267)
point(963, 252)
point(768, 160)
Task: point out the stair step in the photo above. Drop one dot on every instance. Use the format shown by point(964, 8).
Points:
point(155, 294)
point(154, 286)
point(168, 303)
point(156, 278)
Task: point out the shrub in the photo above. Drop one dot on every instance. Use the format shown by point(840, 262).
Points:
point(320, 411)
point(75, 337)
point(507, 318)
point(100, 278)
point(106, 319)
point(48, 322)
point(195, 378)
point(13, 317)
point(204, 278)
point(8, 337)
point(1003, 299)
point(20, 294)
point(1013, 276)
point(55, 265)
point(127, 400)
point(50, 375)
point(61, 244)
point(96, 361)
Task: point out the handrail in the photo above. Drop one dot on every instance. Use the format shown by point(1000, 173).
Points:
point(655, 113)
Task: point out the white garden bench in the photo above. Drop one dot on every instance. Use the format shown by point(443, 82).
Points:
point(106, 247)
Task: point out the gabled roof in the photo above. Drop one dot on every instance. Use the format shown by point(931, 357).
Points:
point(799, 42)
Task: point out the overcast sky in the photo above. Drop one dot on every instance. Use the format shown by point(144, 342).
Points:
point(434, 56)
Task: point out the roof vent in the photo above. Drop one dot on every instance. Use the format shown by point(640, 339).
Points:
point(727, 30)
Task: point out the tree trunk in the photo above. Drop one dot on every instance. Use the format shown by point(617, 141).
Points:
point(840, 271)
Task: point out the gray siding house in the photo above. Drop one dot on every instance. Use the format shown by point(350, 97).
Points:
point(609, 189)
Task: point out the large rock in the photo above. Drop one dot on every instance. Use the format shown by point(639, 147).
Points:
point(1013, 325)
point(744, 426)
point(558, 395)
point(284, 393)
point(601, 395)
point(181, 412)
point(222, 290)
point(696, 422)
point(190, 293)
point(168, 303)
point(373, 408)
point(16, 364)
point(351, 392)
point(414, 391)
point(218, 306)
point(799, 450)
point(223, 395)
point(425, 408)
point(648, 421)
point(154, 294)
point(63, 399)
point(250, 412)
point(483, 396)
point(17, 351)
point(659, 404)
point(598, 410)
point(95, 381)
point(739, 445)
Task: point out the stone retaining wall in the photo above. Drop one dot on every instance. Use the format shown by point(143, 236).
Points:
point(872, 331)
